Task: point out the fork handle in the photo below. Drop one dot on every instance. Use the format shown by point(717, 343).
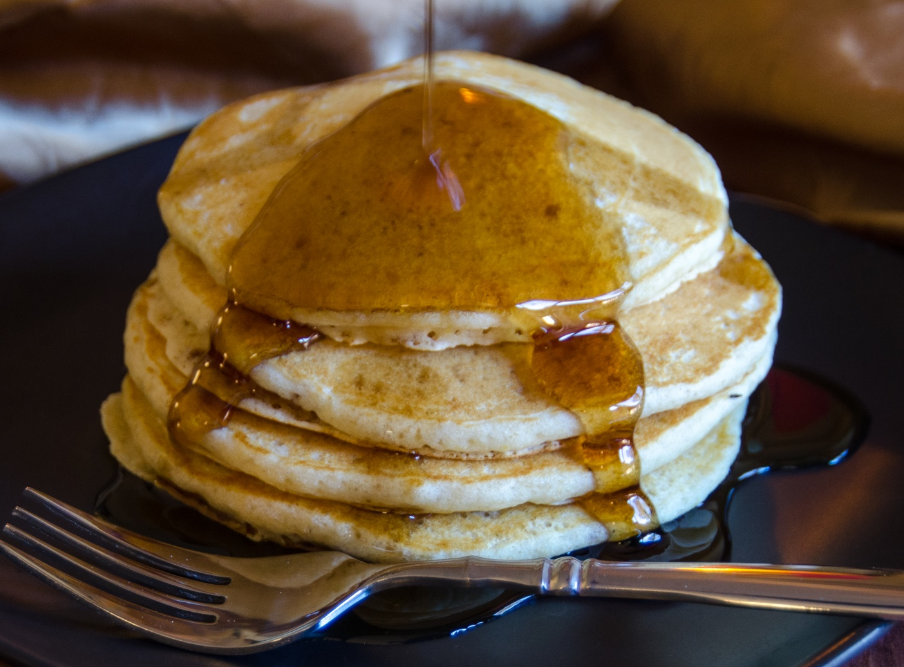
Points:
point(872, 593)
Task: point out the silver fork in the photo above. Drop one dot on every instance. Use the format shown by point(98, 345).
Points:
point(218, 604)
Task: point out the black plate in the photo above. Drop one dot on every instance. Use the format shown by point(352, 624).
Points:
point(72, 250)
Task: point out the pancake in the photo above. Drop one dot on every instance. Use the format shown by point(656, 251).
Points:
point(662, 188)
point(328, 355)
point(260, 511)
point(482, 399)
point(302, 457)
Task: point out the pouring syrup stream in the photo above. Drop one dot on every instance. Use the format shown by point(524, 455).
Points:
point(427, 126)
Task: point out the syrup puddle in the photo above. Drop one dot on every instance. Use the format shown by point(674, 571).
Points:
point(794, 420)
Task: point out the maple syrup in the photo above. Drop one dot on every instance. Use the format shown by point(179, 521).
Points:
point(464, 215)
point(364, 223)
point(241, 339)
point(595, 371)
point(429, 52)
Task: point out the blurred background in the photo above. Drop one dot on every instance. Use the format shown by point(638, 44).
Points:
point(800, 101)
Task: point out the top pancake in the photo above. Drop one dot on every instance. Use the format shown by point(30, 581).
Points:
point(662, 190)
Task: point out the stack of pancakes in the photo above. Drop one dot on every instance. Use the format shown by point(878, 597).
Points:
point(416, 434)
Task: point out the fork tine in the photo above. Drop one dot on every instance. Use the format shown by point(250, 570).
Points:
point(141, 574)
point(166, 557)
point(189, 611)
point(159, 626)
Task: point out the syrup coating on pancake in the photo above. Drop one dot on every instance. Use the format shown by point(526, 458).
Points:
point(485, 219)
point(241, 340)
point(595, 371)
point(369, 221)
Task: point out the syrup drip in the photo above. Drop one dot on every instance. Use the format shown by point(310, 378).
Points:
point(241, 340)
point(595, 371)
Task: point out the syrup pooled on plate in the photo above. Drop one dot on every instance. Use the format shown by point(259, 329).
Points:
point(487, 215)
